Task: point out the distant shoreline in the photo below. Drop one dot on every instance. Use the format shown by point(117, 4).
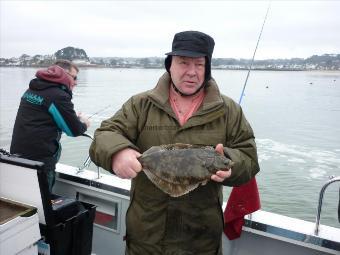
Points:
point(157, 68)
point(79, 57)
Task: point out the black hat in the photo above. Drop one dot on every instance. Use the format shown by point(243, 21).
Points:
point(192, 44)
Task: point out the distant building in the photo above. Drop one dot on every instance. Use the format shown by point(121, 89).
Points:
point(81, 62)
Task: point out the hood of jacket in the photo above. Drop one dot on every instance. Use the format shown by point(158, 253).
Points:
point(56, 74)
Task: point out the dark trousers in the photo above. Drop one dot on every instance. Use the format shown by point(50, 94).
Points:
point(49, 169)
point(50, 179)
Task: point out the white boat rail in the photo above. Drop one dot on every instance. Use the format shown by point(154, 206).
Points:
point(322, 191)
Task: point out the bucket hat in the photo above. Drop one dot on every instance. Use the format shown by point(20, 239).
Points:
point(192, 44)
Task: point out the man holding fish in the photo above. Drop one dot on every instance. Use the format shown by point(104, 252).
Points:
point(184, 116)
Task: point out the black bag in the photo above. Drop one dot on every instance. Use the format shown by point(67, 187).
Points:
point(73, 234)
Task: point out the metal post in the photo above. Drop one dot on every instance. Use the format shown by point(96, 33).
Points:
point(334, 179)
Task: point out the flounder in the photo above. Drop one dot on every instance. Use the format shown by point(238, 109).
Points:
point(178, 168)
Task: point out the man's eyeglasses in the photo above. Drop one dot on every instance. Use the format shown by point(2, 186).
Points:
point(74, 77)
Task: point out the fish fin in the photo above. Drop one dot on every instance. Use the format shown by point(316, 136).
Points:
point(176, 146)
point(174, 190)
point(204, 182)
point(180, 190)
point(153, 178)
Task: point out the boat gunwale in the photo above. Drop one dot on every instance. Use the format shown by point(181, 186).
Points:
point(258, 223)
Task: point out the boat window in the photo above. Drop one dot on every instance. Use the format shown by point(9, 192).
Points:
point(107, 213)
point(106, 220)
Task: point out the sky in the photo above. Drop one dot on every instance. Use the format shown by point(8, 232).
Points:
point(146, 28)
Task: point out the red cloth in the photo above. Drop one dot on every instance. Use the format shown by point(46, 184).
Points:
point(243, 200)
point(56, 74)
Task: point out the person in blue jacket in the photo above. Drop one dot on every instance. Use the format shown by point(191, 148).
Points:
point(45, 111)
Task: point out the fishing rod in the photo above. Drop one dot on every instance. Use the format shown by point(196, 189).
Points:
point(87, 162)
point(252, 61)
point(250, 66)
point(99, 111)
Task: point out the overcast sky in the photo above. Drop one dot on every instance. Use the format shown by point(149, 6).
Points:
point(146, 28)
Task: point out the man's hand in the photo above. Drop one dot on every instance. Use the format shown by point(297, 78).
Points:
point(83, 119)
point(222, 174)
point(125, 164)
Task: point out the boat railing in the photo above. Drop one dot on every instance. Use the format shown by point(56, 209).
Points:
point(88, 161)
point(333, 179)
point(322, 191)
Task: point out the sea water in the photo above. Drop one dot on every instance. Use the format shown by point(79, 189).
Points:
point(295, 117)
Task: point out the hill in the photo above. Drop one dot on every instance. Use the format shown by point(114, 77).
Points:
point(72, 54)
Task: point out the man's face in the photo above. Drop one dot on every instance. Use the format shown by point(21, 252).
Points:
point(187, 73)
point(73, 75)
